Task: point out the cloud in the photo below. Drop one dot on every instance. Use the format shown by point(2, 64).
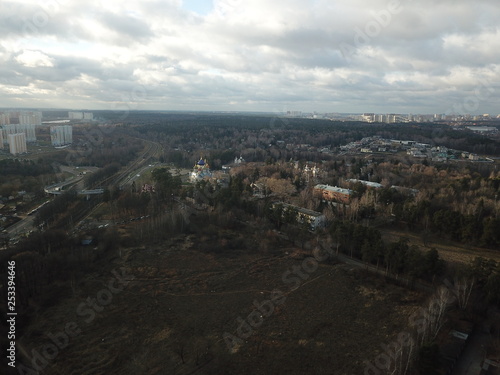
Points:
point(34, 59)
point(249, 55)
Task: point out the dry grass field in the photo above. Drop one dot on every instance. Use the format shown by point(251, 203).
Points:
point(452, 252)
point(172, 317)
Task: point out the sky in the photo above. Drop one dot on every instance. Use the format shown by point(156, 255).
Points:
point(382, 56)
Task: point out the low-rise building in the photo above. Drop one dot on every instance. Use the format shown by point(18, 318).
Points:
point(333, 193)
point(474, 157)
point(313, 218)
point(370, 184)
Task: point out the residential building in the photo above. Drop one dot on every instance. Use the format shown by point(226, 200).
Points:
point(61, 135)
point(368, 117)
point(75, 115)
point(333, 193)
point(416, 153)
point(4, 118)
point(30, 118)
point(474, 157)
point(88, 116)
point(80, 115)
point(17, 143)
point(6, 130)
point(370, 184)
point(313, 218)
point(28, 130)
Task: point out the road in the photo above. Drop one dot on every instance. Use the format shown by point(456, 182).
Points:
point(77, 179)
point(57, 188)
point(23, 226)
point(473, 355)
point(151, 150)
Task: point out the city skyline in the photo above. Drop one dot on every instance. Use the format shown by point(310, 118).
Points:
point(228, 55)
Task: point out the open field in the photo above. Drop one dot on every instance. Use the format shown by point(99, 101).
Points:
point(452, 252)
point(172, 317)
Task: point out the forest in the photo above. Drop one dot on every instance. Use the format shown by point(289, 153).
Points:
point(225, 217)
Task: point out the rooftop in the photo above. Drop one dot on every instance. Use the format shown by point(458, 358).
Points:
point(301, 210)
point(333, 188)
point(367, 183)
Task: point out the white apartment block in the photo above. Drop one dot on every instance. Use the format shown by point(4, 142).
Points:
point(28, 130)
point(61, 135)
point(4, 118)
point(80, 115)
point(75, 115)
point(30, 118)
point(21, 118)
point(8, 129)
point(17, 143)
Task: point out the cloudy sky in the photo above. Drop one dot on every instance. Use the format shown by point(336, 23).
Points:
point(402, 56)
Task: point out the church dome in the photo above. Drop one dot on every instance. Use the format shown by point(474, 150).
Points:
point(201, 162)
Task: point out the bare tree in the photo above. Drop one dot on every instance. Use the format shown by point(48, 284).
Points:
point(437, 309)
point(463, 289)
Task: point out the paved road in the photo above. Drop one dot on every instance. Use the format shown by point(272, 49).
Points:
point(21, 226)
point(473, 355)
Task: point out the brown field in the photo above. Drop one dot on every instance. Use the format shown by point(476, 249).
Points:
point(172, 317)
point(452, 252)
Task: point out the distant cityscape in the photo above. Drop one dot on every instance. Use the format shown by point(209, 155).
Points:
point(18, 128)
point(394, 118)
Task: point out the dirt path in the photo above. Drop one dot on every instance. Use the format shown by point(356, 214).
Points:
point(450, 252)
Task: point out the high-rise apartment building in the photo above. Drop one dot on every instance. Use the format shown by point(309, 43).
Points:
point(368, 117)
point(28, 130)
point(4, 118)
point(6, 131)
point(61, 135)
point(88, 116)
point(17, 143)
point(75, 115)
point(80, 115)
point(30, 118)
